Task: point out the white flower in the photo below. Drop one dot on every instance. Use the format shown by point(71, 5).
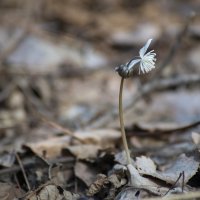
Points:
point(146, 62)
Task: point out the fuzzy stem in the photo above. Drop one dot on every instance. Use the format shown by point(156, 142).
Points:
point(121, 119)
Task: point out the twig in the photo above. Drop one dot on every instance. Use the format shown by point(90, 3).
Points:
point(23, 171)
point(54, 124)
point(33, 163)
point(182, 187)
point(183, 181)
point(187, 196)
point(13, 45)
point(57, 126)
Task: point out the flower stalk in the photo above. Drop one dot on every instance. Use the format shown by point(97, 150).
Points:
point(121, 119)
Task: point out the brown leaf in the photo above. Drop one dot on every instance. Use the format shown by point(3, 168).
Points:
point(93, 141)
point(102, 137)
point(84, 172)
point(102, 182)
point(9, 191)
point(52, 192)
point(84, 151)
point(97, 185)
point(52, 146)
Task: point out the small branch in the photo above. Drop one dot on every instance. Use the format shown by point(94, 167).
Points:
point(23, 171)
point(187, 196)
point(15, 42)
point(68, 161)
point(122, 122)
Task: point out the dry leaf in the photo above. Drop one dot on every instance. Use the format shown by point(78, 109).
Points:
point(145, 165)
point(85, 151)
point(196, 138)
point(121, 158)
point(7, 160)
point(128, 194)
point(85, 173)
point(102, 137)
point(95, 187)
point(93, 141)
point(52, 192)
point(139, 182)
point(185, 164)
point(111, 184)
point(9, 191)
point(52, 146)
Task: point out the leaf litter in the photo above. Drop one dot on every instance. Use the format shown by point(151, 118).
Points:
point(58, 98)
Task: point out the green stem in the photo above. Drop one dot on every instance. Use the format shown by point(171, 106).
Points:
point(121, 119)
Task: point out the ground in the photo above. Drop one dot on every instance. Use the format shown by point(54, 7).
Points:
point(59, 127)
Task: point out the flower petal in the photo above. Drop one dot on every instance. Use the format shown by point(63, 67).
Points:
point(144, 48)
point(132, 63)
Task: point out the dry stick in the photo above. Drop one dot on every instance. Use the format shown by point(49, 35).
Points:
point(57, 126)
point(182, 187)
point(183, 181)
point(187, 196)
point(12, 47)
point(69, 163)
point(23, 171)
point(122, 122)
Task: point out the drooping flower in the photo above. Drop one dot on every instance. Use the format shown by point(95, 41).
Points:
point(146, 62)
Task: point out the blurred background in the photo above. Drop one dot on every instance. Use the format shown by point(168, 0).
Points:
point(57, 60)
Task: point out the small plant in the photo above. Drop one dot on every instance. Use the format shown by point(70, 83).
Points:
point(146, 64)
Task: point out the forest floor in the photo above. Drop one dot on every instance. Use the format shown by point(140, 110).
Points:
point(59, 128)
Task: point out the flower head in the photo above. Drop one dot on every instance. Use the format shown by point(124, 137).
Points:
point(146, 62)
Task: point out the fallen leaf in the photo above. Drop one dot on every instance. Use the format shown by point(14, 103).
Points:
point(139, 182)
point(110, 184)
point(127, 194)
point(85, 151)
point(95, 187)
point(9, 191)
point(103, 137)
point(196, 138)
point(85, 173)
point(92, 141)
point(52, 192)
point(185, 164)
point(121, 158)
point(52, 146)
point(145, 165)
point(7, 160)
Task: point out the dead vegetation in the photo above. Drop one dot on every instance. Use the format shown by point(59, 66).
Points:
point(59, 127)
